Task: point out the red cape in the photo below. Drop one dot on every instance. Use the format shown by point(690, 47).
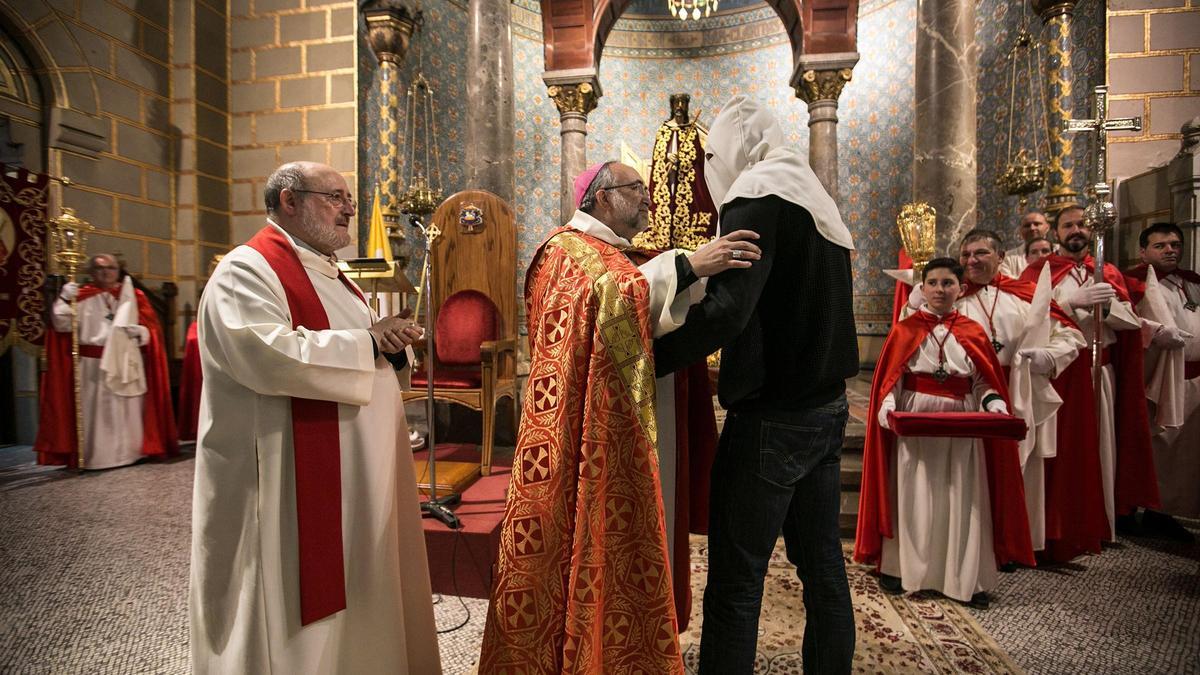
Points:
point(1024, 290)
point(1006, 489)
point(1136, 479)
point(56, 442)
point(1135, 280)
point(900, 297)
point(190, 381)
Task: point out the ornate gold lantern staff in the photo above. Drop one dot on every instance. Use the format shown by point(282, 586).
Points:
point(917, 224)
point(70, 234)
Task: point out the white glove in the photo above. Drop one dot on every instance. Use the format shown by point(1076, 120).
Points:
point(997, 406)
point(69, 291)
point(139, 333)
point(916, 297)
point(887, 406)
point(1041, 361)
point(1086, 296)
point(1167, 337)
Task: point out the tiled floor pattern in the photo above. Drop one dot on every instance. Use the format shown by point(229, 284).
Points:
point(93, 579)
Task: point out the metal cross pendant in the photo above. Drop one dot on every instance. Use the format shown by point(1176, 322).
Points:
point(997, 345)
point(108, 317)
point(1190, 306)
point(940, 374)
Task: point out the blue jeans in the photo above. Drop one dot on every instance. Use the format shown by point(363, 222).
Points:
point(773, 471)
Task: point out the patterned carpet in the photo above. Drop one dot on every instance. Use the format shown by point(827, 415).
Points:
point(93, 579)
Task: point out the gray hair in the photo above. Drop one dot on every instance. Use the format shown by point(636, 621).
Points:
point(603, 179)
point(287, 177)
point(980, 234)
point(90, 268)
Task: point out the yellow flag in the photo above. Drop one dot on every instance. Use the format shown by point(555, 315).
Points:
point(377, 239)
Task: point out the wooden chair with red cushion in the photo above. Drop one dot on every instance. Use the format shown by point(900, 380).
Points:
point(474, 289)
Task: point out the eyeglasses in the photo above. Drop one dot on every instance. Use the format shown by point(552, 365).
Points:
point(637, 185)
point(336, 198)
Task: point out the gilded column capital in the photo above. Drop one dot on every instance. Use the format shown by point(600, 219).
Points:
point(573, 91)
point(573, 98)
point(390, 25)
point(821, 77)
point(822, 85)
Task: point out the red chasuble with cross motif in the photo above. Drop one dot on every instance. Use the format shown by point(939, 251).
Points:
point(582, 582)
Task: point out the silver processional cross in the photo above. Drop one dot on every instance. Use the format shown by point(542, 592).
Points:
point(1101, 214)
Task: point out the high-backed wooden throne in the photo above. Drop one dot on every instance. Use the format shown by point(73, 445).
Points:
point(474, 298)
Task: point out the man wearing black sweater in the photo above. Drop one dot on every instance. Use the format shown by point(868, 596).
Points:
point(787, 329)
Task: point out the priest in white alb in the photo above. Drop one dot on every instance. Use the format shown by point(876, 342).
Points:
point(307, 549)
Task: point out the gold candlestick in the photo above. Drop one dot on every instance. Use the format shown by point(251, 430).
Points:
point(70, 239)
point(918, 233)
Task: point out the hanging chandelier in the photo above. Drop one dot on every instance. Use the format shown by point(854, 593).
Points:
point(692, 9)
point(422, 171)
point(1025, 172)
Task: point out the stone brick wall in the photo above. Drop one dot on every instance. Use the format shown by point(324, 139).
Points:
point(292, 95)
point(200, 114)
point(1154, 72)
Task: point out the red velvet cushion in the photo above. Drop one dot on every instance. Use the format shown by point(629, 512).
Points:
point(449, 379)
point(957, 425)
point(465, 320)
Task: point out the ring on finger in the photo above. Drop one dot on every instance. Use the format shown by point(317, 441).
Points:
point(736, 253)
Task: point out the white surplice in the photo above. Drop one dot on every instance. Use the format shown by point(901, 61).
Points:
point(1177, 448)
point(112, 424)
point(1008, 325)
point(942, 516)
point(245, 592)
point(1120, 317)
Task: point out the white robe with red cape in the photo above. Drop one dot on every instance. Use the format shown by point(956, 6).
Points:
point(245, 598)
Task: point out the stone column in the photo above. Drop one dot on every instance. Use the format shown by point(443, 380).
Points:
point(1060, 81)
point(575, 93)
point(944, 153)
point(818, 81)
point(1183, 179)
point(490, 98)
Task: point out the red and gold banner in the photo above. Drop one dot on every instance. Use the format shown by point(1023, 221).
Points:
point(23, 198)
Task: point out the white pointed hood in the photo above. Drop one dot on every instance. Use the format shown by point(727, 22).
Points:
point(121, 361)
point(747, 156)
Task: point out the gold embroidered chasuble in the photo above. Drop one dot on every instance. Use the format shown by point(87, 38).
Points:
point(582, 578)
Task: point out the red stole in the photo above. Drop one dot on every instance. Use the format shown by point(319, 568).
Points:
point(56, 442)
point(582, 581)
point(1136, 479)
point(1006, 489)
point(316, 445)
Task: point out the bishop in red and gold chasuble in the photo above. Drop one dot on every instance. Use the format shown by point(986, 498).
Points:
point(582, 579)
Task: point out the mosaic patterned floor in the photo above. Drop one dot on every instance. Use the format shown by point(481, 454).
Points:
point(93, 579)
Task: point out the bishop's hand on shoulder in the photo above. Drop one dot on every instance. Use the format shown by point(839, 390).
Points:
point(734, 250)
point(393, 333)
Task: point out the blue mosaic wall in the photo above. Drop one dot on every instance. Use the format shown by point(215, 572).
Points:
point(743, 51)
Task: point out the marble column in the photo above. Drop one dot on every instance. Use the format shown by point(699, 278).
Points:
point(575, 93)
point(490, 98)
point(1060, 81)
point(818, 81)
point(944, 152)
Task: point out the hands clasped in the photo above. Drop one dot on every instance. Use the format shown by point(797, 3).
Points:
point(394, 333)
point(733, 250)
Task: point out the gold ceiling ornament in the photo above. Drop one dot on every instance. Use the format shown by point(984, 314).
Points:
point(423, 167)
point(1025, 172)
point(574, 98)
point(69, 235)
point(692, 9)
point(917, 224)
point(390, 26)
